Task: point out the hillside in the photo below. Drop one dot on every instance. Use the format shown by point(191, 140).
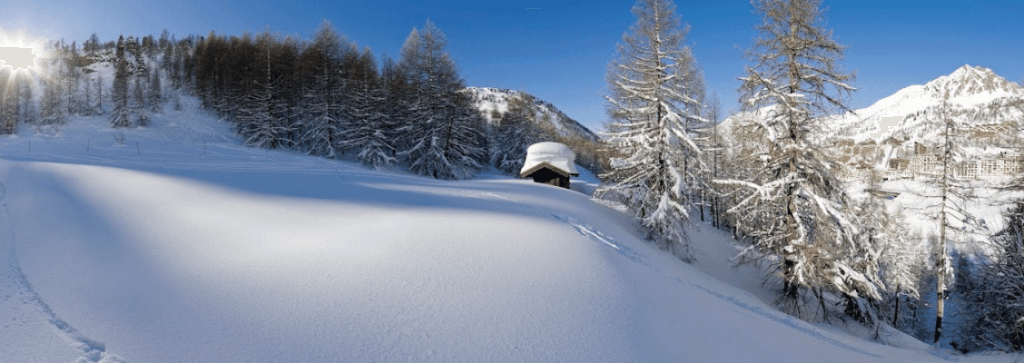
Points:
point(971, 94)
point(494, 101)
point(975, 98)
point(180, 245)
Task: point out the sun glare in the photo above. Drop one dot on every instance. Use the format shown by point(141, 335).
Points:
point(24, 50)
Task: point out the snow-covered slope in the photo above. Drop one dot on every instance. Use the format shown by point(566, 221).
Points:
point(491, 100)
point(180, 245)
point(974, 97)
point(965, 90)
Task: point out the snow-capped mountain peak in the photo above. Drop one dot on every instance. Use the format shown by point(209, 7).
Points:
point(972, 83)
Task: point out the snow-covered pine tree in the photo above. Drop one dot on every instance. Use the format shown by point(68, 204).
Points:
point(371, 129)
point(398, 96)
point(156, 98)
point(324, 106)
point(951, 193)
point(442, 129)
point(995, 306)
point(398, 101)
point(798, 215)
point(713, 157)
point(87, 106)
point(52, 109)
point(323, 128)
point(53, 114)
point(257, 119)
point(119, 117)
point(652, 104)
point(138, 103)
point(517, 129)
point(98, 110)
point(8, 103)
point(897, 266)
point(26, 102)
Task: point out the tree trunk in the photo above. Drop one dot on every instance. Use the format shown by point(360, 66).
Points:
point(896, 311)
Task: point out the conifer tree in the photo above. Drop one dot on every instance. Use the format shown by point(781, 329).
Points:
point(156, 98)
point(517, 129)
point(994, 308)
point(258, 118)
point(951, 194)
point(797, 213)
point(138, 103)
point(53, 114)
point(119, 117)
point(652, 106)
point(442, 130)
point(371, 129)
point(8, 103)
point(323, 97)
point(26, 102)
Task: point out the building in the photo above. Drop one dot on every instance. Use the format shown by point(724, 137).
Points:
point(550, 163)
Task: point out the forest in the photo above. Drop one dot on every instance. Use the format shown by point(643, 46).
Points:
point(324, 97)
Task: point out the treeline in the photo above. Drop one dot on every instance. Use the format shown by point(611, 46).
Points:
point(829, 255)
point(768, 177)
point(324, 96)
point(70, 82)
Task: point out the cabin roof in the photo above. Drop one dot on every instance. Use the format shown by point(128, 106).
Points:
point(556, 156)
point(545, 165)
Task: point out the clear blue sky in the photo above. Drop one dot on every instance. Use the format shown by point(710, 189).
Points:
point(559, 53)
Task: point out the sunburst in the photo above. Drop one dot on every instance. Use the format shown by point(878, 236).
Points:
point(19, 38)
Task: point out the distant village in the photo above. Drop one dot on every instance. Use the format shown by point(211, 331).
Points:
point(861, 158)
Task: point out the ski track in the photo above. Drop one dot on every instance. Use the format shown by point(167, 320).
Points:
point(91, 349)
point(643, 260)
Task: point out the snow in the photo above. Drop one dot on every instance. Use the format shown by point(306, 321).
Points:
point(555, 154)
point(183, 246)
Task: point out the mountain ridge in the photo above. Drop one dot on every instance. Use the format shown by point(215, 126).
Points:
point(490, 100)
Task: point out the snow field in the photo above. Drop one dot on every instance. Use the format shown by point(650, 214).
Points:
point(245, 255)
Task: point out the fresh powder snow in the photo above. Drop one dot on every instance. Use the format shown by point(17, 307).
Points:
point(174, 243)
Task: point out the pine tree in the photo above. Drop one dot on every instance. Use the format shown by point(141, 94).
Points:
point(119, 118)
point(258, 116)
point(397, 102)
point(99, 96)
point(8, 103)
point(994, 306)
point(950, 214)
point(156, 98)
point(797, 212)
point(896, 267)
point(653, 104)
point(324, 108)
point(52, 111)
point(713, 154)
point(517, 129)
point(138, 103)
point(26, 103)
point(442, 131)
point(371, 129)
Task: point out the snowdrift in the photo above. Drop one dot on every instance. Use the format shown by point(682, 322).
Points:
point(178, 245)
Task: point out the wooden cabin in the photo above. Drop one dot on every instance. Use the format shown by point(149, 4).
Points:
point(550, 163)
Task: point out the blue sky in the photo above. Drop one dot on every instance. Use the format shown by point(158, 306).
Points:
point(559, 53)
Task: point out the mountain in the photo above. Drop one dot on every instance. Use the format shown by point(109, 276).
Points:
point(973, 96)
point(494, 101)
point(968, 91)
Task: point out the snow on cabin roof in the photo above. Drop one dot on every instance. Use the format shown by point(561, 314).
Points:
point(554, 154)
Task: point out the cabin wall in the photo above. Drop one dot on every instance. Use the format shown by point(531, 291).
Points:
point(546, 176)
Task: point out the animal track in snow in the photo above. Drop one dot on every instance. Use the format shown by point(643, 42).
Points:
point(596, 236)
point(91, 350)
